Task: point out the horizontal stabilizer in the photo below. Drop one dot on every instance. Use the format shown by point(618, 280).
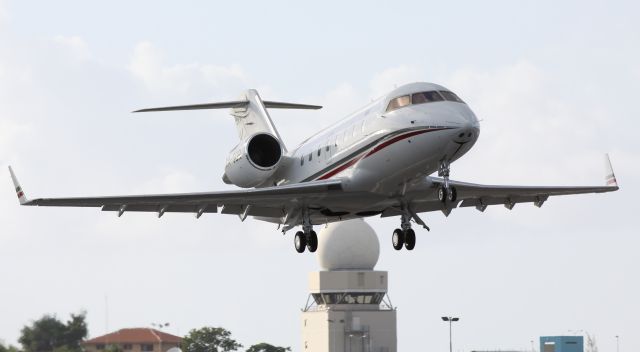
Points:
point(233, 104)
point(221, 105)
point(281, 105)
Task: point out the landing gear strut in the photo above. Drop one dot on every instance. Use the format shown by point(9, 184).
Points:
point(446, 192)
point(307, 238)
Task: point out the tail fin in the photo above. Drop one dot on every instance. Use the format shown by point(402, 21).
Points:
point(19, 192)
point(610, 177)
point(250, 113)
point(253, 118)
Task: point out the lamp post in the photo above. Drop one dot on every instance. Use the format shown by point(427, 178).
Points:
point(450, 320)
point(617, 343)
point(160, 326)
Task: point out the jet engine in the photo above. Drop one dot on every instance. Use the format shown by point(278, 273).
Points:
point(253, 161)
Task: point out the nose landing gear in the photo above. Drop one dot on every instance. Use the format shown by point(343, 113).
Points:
point(446, 192)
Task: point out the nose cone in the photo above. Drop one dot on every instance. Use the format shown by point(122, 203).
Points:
point(468, 127)
point(467, 119)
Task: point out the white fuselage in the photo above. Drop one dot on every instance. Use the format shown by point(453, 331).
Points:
point(378, 151)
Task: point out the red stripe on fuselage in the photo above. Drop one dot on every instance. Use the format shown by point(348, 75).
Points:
point(375, 150)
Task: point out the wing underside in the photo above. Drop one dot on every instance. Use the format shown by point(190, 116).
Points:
point(325, 201)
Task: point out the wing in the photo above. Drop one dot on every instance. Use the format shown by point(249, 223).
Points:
point(268, 201)
point(480, 196)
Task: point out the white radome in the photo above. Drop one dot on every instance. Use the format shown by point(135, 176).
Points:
point(348, 245)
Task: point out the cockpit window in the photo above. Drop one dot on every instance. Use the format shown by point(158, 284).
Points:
point(399, 102)
point(451, 96)
point(426, 97)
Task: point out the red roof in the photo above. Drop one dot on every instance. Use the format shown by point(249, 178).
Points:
point(135, 335)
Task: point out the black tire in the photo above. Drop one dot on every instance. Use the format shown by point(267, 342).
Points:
point(452, 195)
point(409, 239)
point(312, 242)
point(442, 194)
point(300, 241)
point(397, 240)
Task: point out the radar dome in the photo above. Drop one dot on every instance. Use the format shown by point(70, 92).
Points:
point(348, 245)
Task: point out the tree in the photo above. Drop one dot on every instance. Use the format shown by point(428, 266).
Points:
point(265, 347)
point(48, 334)
point(8, 348)
point(209, 339)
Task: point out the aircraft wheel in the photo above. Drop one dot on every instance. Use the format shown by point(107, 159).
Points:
point(312, 242)
point(299, 241)
point(409, 239)
point(452, 195)
point(442, 194)
point(397, 239)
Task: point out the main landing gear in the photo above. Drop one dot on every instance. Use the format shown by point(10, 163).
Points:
point(306, 238)
point(404, 236)
point(446, 192)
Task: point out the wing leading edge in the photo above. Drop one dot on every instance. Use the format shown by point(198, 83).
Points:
point(481, 196)
point(268, 201)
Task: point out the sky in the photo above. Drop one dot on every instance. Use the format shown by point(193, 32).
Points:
point(554, 83)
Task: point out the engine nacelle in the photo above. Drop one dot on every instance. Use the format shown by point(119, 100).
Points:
point(251, 162)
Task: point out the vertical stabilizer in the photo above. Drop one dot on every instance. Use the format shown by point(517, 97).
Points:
point(254, 118)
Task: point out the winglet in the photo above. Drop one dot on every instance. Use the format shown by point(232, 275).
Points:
point(610, 177)
point(21, 196)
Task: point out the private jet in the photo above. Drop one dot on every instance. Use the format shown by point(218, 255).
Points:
point(376, 161)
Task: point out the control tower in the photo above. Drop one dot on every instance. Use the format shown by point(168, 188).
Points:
point(348, 309)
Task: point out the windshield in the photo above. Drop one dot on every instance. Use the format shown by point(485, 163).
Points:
point(450, 96)
point(422, 98)
point(426, 97)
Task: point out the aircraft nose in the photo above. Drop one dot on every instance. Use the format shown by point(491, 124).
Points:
point(468, 128)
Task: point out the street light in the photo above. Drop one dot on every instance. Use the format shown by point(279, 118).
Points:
point(450, 320)
point(617, 343)
point(159, 327)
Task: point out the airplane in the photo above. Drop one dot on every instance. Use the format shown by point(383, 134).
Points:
point(376, 161)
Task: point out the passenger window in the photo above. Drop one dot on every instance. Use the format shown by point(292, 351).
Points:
point(310, 156)
point(426, 97)
point(302, 160)
point(399, 102)
point(319, 149)
point(450, 96)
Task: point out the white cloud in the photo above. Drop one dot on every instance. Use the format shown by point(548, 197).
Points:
point(172, 181)
point(392, 77)
point(147, 65)
point(3, 12)
point(529, 131)
point(75, 45)
point(10, 132)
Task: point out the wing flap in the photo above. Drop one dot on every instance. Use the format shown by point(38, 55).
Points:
point(174, 208)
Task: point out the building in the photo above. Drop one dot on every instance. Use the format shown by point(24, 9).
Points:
point(134, 340)
point(348, 309)
point(561, 344)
